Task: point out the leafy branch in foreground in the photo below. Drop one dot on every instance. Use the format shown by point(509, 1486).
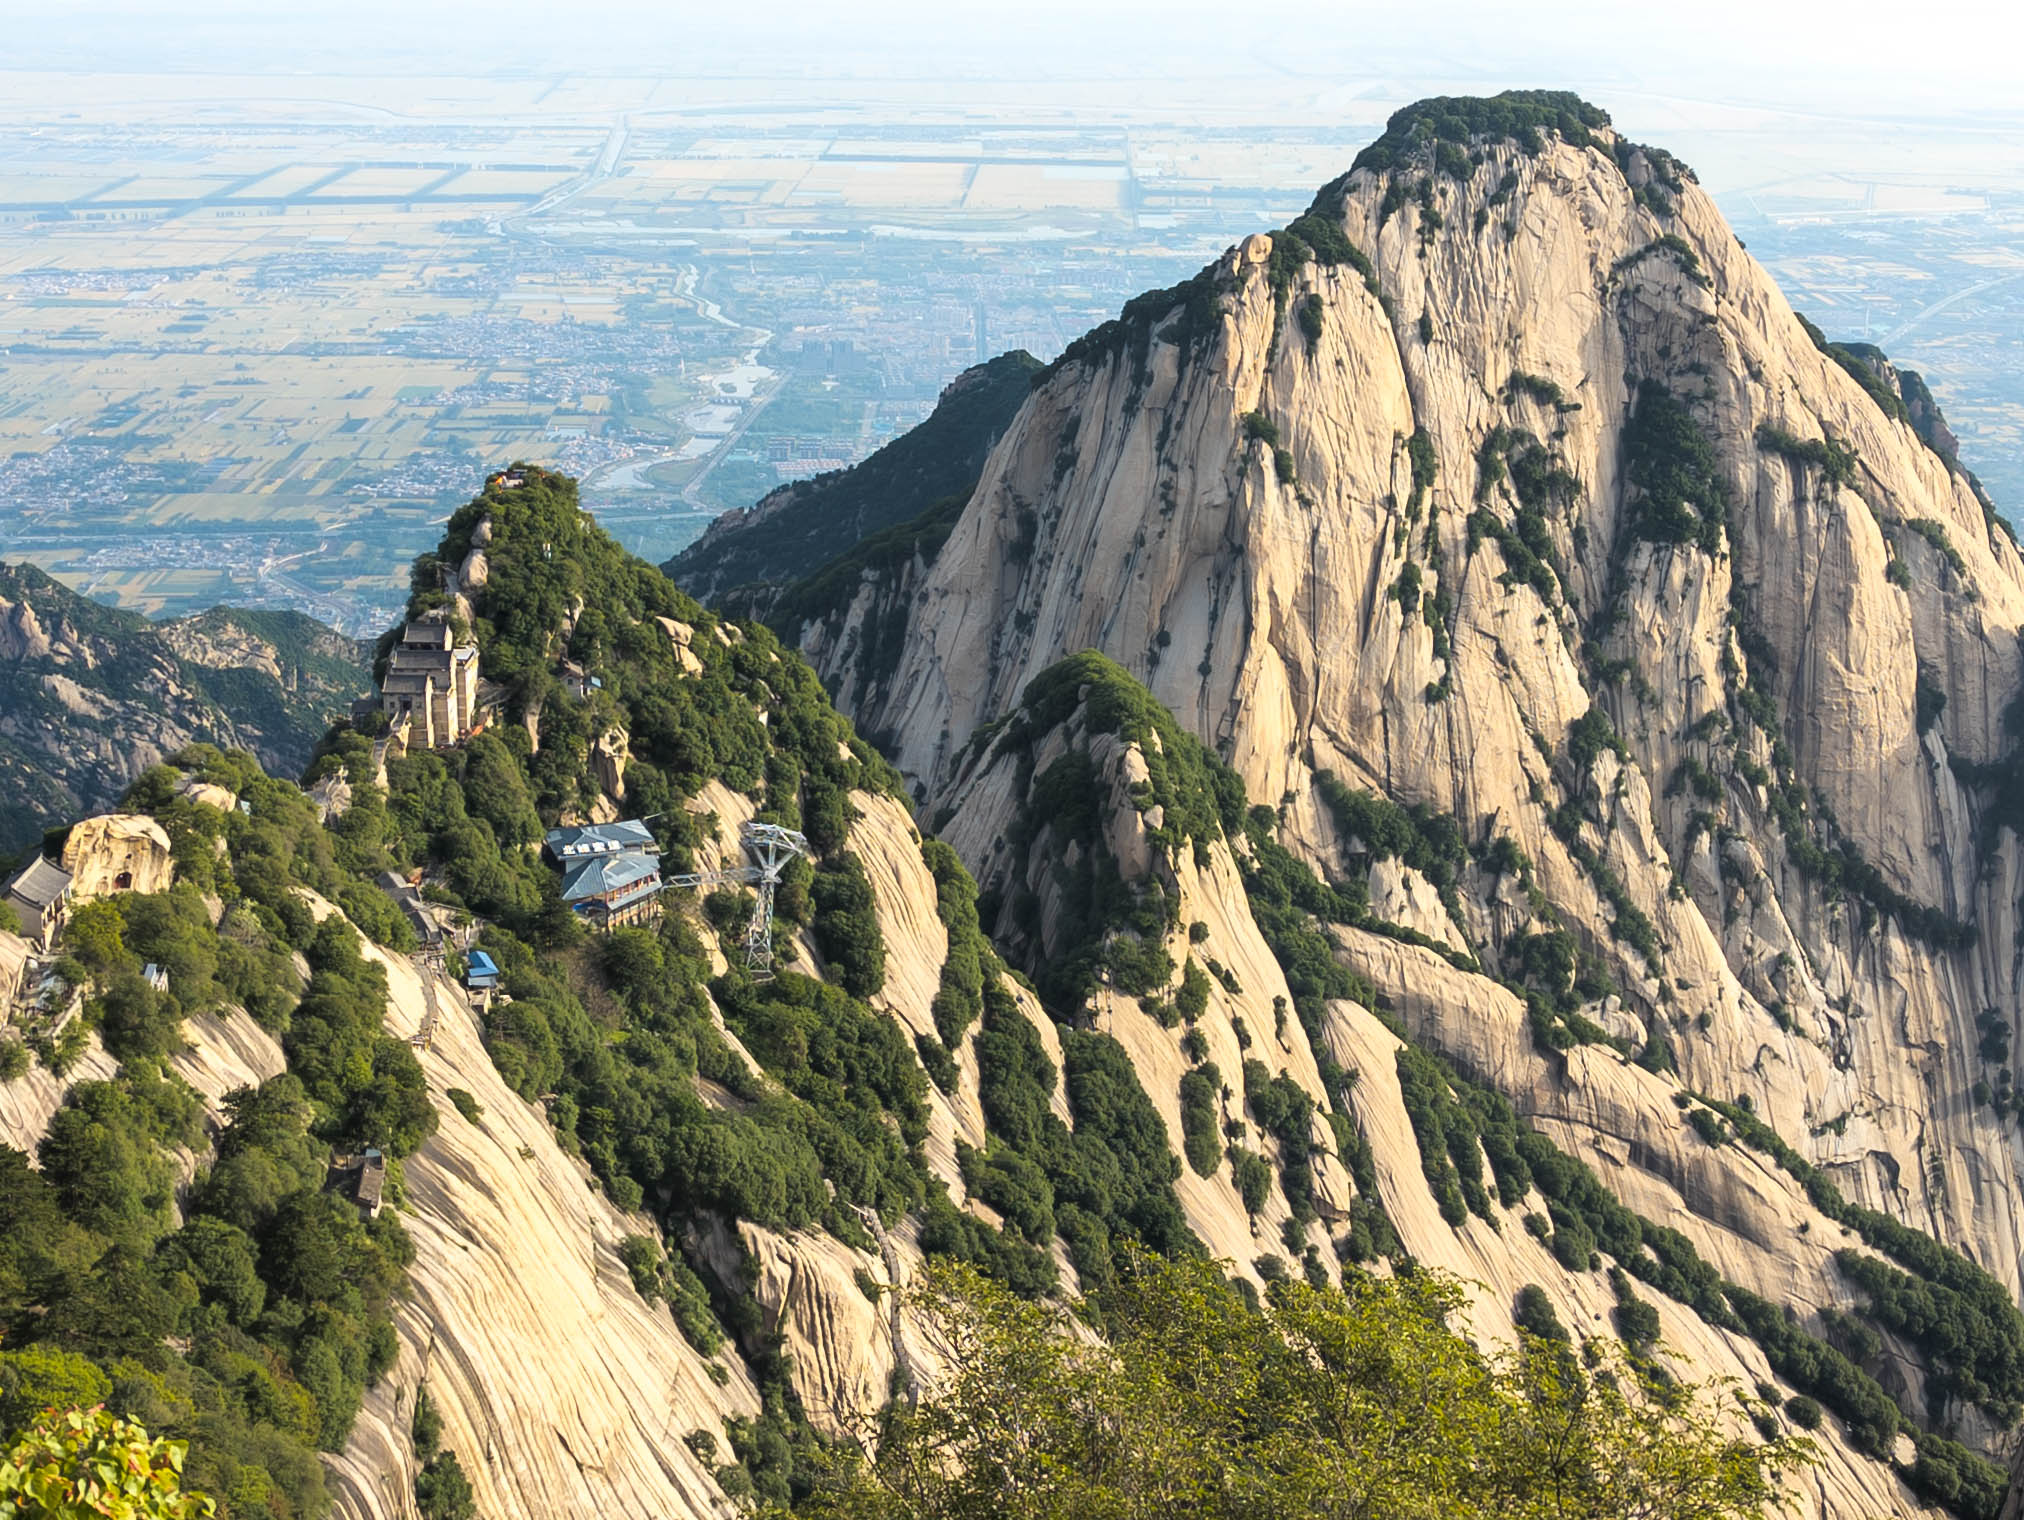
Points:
point(77, 1463)
point(1352, 1401)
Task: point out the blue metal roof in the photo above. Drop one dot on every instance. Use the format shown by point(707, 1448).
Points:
point(610, 873)
point(599, 839)
point(480, 964)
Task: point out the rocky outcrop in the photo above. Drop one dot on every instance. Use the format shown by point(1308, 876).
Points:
point(608, 758)
point(117, 852)
point(1748, 1219)
point(1556, 523)
point(561, 1389)
point(21, 635)
point(679, 636)
point(90, 697)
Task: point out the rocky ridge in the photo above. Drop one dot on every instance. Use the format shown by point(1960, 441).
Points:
point(1506, 485)
point(90, 697)
point(1444, 844)
point(1363, 1189)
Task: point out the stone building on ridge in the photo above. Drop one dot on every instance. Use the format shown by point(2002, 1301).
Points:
point(113, 852)
point(431, 684)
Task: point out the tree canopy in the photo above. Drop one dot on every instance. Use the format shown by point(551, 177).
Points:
point(1360, 1401)
point(85, 1464)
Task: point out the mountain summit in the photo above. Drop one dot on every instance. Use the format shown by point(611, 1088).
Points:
point(1504, 488)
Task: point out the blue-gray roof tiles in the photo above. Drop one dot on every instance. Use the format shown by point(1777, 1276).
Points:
point(586, 840)
point(606, 874)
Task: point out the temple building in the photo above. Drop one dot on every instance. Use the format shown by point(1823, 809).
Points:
point(431, 684)
point(611, 872)
point(113, 852)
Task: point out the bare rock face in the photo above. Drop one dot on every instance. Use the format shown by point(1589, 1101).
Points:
point(1742, 1214)
point(835, 1307)
point(679, 636)
point(117, 852)
point(332, 796)
point(21, 635)
point(1738, 722)
point(562, 1390)
point(1128, 510)
point(608, 756)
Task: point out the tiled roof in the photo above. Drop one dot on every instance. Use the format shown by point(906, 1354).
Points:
point(599, 839)
point(42, 882)
point(405, 658)
point(609, 873)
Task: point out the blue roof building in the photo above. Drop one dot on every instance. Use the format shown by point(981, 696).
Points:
point(584, 841)
point(481, 972)
point(613, 889)
point(611, 872)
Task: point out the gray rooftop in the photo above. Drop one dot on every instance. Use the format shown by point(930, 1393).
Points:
point(599, 839)
point(41, 882)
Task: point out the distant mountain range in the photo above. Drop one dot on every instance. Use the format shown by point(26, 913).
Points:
point(91, 696)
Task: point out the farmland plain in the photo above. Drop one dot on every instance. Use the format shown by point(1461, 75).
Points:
point(254, 345)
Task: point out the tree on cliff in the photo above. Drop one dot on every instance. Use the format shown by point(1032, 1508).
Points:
point(1352, 1402)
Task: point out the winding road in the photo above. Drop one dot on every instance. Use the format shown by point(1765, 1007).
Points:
point(1942, 304)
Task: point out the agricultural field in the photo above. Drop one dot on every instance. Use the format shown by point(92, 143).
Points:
point(253, 347)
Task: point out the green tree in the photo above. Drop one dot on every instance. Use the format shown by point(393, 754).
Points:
point(496, 791)
point(442, 1492)
point(1359, 1401)
point(846, 924)
point(43, 1377)
point(85, 1464)
point(98, 1154)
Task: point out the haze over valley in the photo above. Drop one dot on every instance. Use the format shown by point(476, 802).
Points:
point(258, 336)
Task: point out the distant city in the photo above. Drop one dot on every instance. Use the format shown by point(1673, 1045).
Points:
point(255, 356)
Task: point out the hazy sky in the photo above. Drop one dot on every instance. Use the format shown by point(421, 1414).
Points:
point(1880, 56)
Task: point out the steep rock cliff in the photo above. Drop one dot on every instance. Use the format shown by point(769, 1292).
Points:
point(1507, 486)
point(1106, 869)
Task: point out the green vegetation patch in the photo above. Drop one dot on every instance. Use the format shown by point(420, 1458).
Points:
point(1672, 246)
point(1186, 315)
point(1540, 482)
point(1673, 468)
point(1861, 362)
point(1835, 461)
point(1463, 121)
point(1110, 1178)
point(1328, 1377)
point(254, 1326)
point(1201, 1133)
